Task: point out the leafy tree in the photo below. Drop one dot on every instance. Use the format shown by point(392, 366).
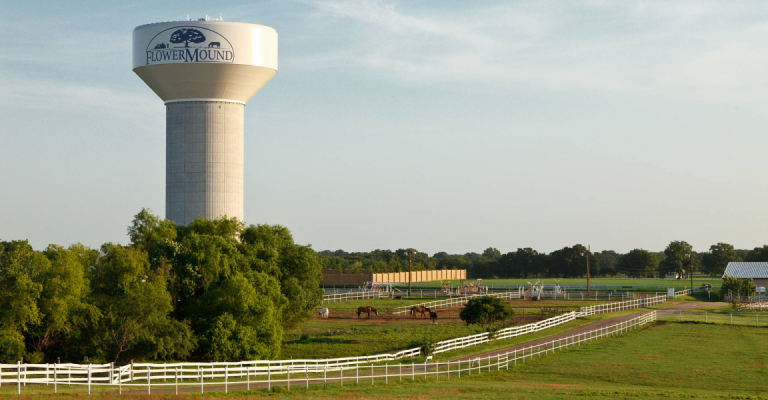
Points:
point(240, 318)
point(676, 261)
point(639, 263)
point(492, 253)
point(186, 35)
point(486, 311)
point(758, 254)
point(135, 306)
point(608, 261)
point(739, 287)
point(718, 258)
point(64, 301)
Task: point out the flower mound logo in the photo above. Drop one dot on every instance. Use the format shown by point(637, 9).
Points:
point(178, 45)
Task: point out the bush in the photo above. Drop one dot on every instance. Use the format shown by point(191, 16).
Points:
point(486, 311)
point(739, 287)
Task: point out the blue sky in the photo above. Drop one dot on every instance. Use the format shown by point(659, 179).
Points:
point(439, 125)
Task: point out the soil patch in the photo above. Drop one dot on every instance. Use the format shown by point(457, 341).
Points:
point(354, 342)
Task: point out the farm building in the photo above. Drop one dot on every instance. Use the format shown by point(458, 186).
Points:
point(333, 277)
point(758, 271)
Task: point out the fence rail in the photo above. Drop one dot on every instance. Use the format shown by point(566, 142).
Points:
point(623, 305)
point(347, 296)
point(240, 374)
point(455, 301)
point(713, 317)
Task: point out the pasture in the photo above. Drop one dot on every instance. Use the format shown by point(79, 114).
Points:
point(343, 334)
point(672, 360)
point(697, 281)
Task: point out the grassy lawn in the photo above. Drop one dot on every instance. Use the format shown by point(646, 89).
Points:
point(668, 360)
point(697, 281)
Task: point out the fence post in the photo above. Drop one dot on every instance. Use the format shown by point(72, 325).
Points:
point(400, 372)
point(371, 374)
point(306, 370)
point(89, 378)
point(357, 374)
point(288, 377)
point(341, 376)
point(149, 383)
point(18, 377)
point(325, 376)
point(176, 379)
point(413, 371)
point(498, 362)
point(200, 372)
point(386, 373)
point(226, 376)
point(459, 369)
point(54, 378)
point(119, 382)
point(269, 376)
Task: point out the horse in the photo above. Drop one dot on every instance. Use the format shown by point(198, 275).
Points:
point(324, 312)
point(433, 316)
point(419, 309)
point(366, 309)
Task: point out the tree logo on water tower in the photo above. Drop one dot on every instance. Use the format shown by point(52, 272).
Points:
point(184, 44)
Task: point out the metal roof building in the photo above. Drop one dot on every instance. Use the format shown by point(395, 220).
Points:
point(758, 271)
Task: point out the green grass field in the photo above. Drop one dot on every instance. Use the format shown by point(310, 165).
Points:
point(669, 360)
point(697, 281)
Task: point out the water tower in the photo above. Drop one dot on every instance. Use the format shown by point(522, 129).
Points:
point(205, 71)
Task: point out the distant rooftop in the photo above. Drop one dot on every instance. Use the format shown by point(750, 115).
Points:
point(747, 270)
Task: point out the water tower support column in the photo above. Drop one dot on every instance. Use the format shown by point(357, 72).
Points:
point(204, 160)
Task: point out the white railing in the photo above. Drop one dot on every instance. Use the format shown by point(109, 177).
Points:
point(164, 376)
point(357, 295)
point(623, 305)
point(456, 301)
point(501, 334)
point(712, 317)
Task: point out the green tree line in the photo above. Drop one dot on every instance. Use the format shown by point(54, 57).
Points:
point(568, 262)
point(210, 290)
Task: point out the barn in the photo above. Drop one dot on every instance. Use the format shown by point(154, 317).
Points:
point(758, 271)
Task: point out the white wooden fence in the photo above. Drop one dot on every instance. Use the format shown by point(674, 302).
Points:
point(347, 296)
point(623, 305)
point(455, 301)
point(248, 374)
point(713, 317)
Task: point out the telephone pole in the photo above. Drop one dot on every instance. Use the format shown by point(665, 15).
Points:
point(410, 251)
point(589, 250)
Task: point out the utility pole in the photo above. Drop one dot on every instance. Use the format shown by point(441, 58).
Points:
point(589, 248)
point(691, 271)
point(410, 251)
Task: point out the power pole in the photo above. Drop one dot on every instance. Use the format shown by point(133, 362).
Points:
point(589, 248)
point(691, 271)
point(409, 271)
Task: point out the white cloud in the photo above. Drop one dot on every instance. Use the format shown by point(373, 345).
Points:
point(602, 45)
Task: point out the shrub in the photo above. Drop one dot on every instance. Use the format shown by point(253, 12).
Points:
point(486, 311)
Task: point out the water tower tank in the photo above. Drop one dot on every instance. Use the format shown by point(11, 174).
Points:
point(205, 71)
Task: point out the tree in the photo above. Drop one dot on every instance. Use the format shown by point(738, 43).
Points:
point(186, 35)
point(738, 287)
point(486, 311)
point(638, 263)
point(608, 261)
point(492, 253)
point(19, 267)
point(717, 259)
point(135, 306)
point(64, 301)
point(675, 259)
point(758, 254)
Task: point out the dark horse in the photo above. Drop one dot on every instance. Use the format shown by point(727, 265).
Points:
point(419, 309)
point(366, 309)
point(433, 316)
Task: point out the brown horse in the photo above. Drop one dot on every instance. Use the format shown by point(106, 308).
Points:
point(419, 309)
point(366, 309)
